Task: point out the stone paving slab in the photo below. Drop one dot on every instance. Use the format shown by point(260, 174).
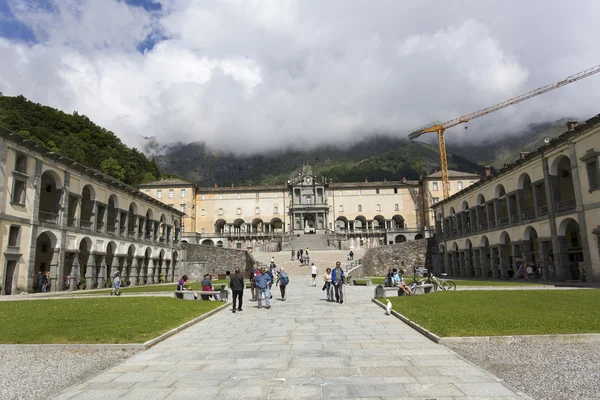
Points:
point(303, 348)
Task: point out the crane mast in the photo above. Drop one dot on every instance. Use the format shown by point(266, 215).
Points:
point(440, 127)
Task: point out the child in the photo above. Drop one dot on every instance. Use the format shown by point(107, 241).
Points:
point(116, 284)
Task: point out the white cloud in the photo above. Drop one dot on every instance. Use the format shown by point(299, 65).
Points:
point(248, 75)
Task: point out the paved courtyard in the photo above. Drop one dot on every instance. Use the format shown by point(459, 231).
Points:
point(304, 347)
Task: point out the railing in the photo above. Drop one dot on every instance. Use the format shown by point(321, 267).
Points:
point(503, 221)
point(566, 204)
point(85, 225)
point(148, 236)
point(543, 210)
point(162, 239)
point(122, 230)
point(71, 222)
point(48, 217)
point(99, 226)
point(111, 229)
point(483, 226)
point(132, 234)
point(514, 218)
point(529, 214)
point(492, 224)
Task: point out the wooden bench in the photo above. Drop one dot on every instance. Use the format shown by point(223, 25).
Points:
point(359, 282)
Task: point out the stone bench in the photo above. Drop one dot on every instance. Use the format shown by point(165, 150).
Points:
point(189, 294)
point(367, 281)
point(184, 294)
point(423, 288)
point(382, 291)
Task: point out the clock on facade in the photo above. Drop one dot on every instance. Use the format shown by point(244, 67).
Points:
point(308, 180)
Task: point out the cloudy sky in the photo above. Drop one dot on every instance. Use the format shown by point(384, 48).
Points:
point(252, 75)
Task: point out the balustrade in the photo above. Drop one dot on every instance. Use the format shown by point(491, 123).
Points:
point(48, 217)
point(85, 225)
point(566, 204)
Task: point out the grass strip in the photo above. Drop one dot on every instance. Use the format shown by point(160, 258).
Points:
point(379, 280)
point(93, 321)
point(153, 288)
point(498, 313)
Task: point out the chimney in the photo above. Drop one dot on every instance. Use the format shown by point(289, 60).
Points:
point(488, 170)
point(385, 179)
point(249, 185)
point(216, 186)
point(572, 125)
point(366, 180)
point(232, 185)
point(523, 154)
point(403, 179)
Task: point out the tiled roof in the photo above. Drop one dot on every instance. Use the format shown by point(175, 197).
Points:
point(454, 174)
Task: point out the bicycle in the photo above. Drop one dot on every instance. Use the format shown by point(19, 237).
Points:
point(440, 283)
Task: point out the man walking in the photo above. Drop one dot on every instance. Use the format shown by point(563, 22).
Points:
point(236, 282)
point(282, 280)
point(338, 279)
point(262, 284)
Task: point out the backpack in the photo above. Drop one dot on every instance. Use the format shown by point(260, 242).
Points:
point(284, 279)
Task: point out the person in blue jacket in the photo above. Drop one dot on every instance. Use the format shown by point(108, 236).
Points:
point(263, 282)
point(337, 280)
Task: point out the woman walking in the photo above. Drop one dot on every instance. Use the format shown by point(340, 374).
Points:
point(327, 286)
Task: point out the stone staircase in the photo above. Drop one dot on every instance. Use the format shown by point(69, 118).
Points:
point(316, 241)
point(322, 258)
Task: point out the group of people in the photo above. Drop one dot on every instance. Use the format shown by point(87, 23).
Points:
point(261, 283)
point(302, 255)
point(334, 281)
point(394, 279)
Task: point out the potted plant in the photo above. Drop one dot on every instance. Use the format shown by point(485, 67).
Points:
point(82, 285)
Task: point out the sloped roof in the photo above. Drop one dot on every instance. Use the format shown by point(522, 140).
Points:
point(168, 182)
point(454, 174)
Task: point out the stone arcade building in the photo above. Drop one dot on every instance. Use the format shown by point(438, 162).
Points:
point(262, 218)
point(77, 224)
point(543, 209)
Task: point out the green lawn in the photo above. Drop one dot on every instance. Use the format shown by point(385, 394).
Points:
point(103, 320)
point(378, 280)
point(496, 313)
point(152, 288)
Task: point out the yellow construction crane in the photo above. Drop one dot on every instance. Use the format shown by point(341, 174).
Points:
point(440, 127)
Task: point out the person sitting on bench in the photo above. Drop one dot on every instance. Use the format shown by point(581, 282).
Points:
point(399, 282)
point(207, 287)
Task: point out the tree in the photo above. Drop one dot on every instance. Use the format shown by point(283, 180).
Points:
point(111, 167)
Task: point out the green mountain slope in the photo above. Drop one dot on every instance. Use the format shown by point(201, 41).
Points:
point(76, 137)
point(375, 158)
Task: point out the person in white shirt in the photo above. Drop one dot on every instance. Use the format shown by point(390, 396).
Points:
point(313, 270)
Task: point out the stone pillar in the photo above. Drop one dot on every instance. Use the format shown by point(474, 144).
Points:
point(462, 260)
point(93, 219)
point(536, 200)
point(519, 197)
point(168, 272)
point(54, 271)
point(485, 262)
point(122, 268)
point(135, 272)
point(504, 251)
point(89, 271)
point(496, 218)
point(75, 272)
point(478, 217)
point(105, 220)
point(468, 263)
point(561, 260)
point(141, 228)
point(494, 253)
point(102, 272)
point(489, 214)
point(455, 264)
point(477, 262)
point(544, 258)
point(151, 271)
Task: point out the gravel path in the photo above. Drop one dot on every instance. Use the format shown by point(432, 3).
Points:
point(39, 374)
point(543, 371)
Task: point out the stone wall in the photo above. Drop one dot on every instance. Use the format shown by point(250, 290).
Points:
point(376, 261)
point(201, 260)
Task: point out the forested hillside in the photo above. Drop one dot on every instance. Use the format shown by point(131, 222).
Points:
point(78, 138)
point(374, 158)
